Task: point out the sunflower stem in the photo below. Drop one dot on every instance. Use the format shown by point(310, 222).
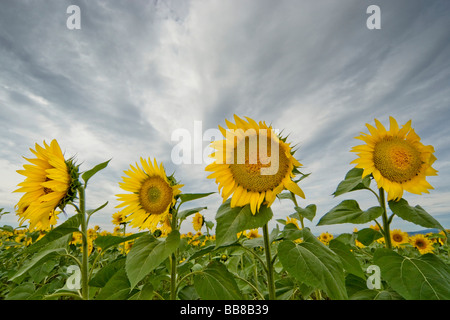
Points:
point(85, 246)
point(386, 222)
point(270, 279)
point(173, 259)
point(173, 275)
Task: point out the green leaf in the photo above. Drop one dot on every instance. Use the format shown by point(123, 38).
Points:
point(67, 227)
point(88, 174)
point(188, 293)
point(185, 197)
point(105, 273)
point(108, 241)
point(7, 228)
point(354, 284)
point(215, 282)
point(230, 221)
point(313, 264)
point(91, 212)
point(415, 214)
point(146, 293)
point(186, 213)
point(148, 253)
point(348, 211)
point(42, 270)
point(117, 288)
point(348, 259)
point(309, 212)
point(423, 278)
point(353, 181)
point(368, 294)
point(21, 292)
point(209, 224)
point(291, 232)
point(367, 235)
point(38, 258)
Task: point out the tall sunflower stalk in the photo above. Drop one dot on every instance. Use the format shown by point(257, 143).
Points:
point(252, 165)
point(85, 246)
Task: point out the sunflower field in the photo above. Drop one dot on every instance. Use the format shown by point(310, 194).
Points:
point(236, 256)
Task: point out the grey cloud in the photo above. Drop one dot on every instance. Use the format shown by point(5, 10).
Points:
point(137, 70)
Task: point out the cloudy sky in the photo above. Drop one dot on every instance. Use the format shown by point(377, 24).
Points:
point(137, 71)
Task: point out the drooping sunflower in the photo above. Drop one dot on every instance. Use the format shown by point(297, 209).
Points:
point(198, 221)
point(422, 243)
point(397, 160)
point(252, 164)
point(152, 195)
point(51, 182)
point(399, 237)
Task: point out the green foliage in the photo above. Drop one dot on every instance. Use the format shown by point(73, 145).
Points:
point(424, 278)
point(231, 265)
point(90, 173)
point(67, 227)
point(309, 212)
point(148, 253)
point(231, 221)
point(313, 264)
point(185, 197)
point(353, 181)
point(348, 211)
point(416, 214)
point(215, 282)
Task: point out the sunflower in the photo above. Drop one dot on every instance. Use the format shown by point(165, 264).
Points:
point(397, 160)
point(198, 221)
point(51, 182)
point(325, 237)
point(118, 218)
point(421, 243)
point(293, 221)
point(252, 233)
point(152, 195)
point(399, 237)
point(252, 164)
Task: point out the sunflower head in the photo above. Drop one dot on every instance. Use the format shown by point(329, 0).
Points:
point(51, 182)
point(252, 234)
point(325, 237)
point(396, 159)
point(253, 164)
point(422, 243)
point(152, 196)
point(198, 221)
point(293, 221)
point(118, 218)
point(399, 237)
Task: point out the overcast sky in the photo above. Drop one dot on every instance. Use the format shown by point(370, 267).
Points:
point(137, 71)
